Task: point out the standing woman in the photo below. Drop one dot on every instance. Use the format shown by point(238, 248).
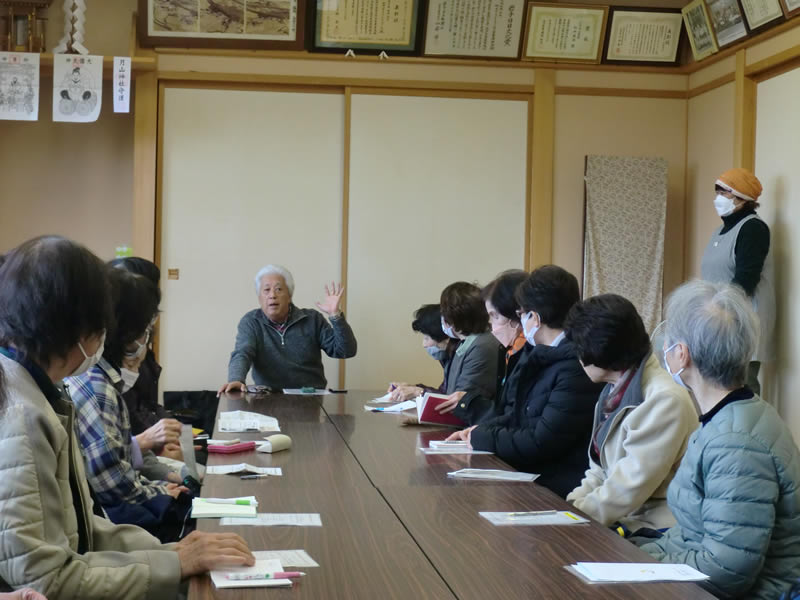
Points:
point(738, 253)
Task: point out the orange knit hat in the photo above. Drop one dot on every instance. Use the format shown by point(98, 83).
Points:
point(741, 182)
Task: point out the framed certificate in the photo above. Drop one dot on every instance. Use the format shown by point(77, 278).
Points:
point(564, 32)
point(728, 21)
point(698, 27)
point(760, 12)
point(374, 26)
point(640, 35)
point(474, 28)
point(790, 7)
point(255, 24)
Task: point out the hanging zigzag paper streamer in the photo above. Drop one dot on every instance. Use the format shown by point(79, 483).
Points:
point(74, 27)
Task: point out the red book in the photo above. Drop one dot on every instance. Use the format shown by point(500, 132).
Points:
point(233, 448)
point(428, 415)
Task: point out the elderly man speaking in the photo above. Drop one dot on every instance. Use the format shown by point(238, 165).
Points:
point(281, 342)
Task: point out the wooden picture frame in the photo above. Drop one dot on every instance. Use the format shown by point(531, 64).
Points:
point(273, 24)
point(728, 21)
point(569, 33)
point(790, 8)
point(643, 36)
point(699, 29)
point(760, 13)
point(448, 34)
point(330, 31)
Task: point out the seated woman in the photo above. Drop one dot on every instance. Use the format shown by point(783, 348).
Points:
point(428, 322)
point(470, 379)
point(103, 425)
point(642, 421)
point(549, 400)
point(54, 310)
point(736, 495)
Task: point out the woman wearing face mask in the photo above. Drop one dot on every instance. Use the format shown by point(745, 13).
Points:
point(428, 322)
point(549, 400)
point(738, 253)
point(54, 309)
point(642, 421)
point(113, 457)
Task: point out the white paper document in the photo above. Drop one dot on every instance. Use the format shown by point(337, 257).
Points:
point(19, 86)
point(77, 87)
point(215, 508)
point(300, 392)
point(534, 517)
point(122, 84)
point(270, 519)
point(243, 468)
point(637, 572)
point(451, 447)
point(262, 567)
point(387, 397)
point(238, 421)
point(492, 474)
point(395, 408)
point(288, 558)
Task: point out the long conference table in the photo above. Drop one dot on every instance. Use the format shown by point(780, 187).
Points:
point(394, 525)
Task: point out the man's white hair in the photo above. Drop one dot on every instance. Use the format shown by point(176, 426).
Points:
point(275, 270)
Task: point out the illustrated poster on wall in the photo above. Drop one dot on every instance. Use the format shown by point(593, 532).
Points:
point(77, 88)
point(19, 86)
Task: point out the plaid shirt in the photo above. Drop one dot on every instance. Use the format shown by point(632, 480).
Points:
point(103, 427)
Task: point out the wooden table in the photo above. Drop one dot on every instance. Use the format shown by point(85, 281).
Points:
point(394, 524)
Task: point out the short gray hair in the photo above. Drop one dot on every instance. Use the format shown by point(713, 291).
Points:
point(718, 324)
point(275, 270)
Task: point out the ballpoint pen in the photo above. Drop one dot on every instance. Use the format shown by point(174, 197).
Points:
point(254, 576)
point(255, 476)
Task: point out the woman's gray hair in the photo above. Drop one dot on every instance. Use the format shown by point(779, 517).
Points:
point(275, 270)
point(717, 323)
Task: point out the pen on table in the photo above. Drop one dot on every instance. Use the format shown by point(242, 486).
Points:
point(257, 476)
point(239, 501)
point(531, 513)
point(253, 576)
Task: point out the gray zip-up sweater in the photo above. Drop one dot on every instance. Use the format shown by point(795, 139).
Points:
point(291, 359)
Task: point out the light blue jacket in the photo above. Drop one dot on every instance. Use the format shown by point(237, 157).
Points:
point(737, 503)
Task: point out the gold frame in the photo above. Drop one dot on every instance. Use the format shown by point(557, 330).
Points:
point(571, 10)
point(693, 6)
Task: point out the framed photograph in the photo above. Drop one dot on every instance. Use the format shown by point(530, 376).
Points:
point(728, 21)
point(760, 12)
point(643, 35)
point(474, 28)
point(373, 26)
point(250, 24)
point(790, 8)
point(698, 27)
point(564, 32)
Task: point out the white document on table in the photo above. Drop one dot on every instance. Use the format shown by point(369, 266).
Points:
point(300, 392)
point(453, 450)
point(203, 509)
point(238, 421)
point(637, 572)
point(387, 397)
point(535, 517)
point(271, 519)
point(394, 408)
point(243, 468)
point(261, 567)
point(492, 474)
point(288, 558)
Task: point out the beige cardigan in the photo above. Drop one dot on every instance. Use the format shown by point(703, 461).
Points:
point(640, 454)
point(40, 535)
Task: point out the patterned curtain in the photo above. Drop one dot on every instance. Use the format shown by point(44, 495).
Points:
point(626, 211)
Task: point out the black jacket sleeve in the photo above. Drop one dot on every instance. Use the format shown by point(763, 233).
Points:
point(752, 246)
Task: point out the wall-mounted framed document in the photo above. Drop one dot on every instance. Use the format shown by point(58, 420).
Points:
point(728, 21)
point(761, 12)
point(643, 35)
point(474, 28)
point(698, 27)
point(564, 32)
point(256, 24)
point(371, 26)
point(790, 8)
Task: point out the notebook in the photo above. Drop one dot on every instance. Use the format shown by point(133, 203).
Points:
point(428, 415)
point(262, 566)
point(202, 509)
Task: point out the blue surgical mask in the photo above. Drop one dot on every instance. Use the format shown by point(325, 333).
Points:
point(448, 331)
point(529, 333)
point(436, 352)
point(675, 376)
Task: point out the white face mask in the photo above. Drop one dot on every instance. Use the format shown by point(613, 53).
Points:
point(505, 333)
point(675, 376)
point(529, 333)
point(90, 361)
point(448, 331)
point(128, 378)
point(724, 205)
point(436, 352)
